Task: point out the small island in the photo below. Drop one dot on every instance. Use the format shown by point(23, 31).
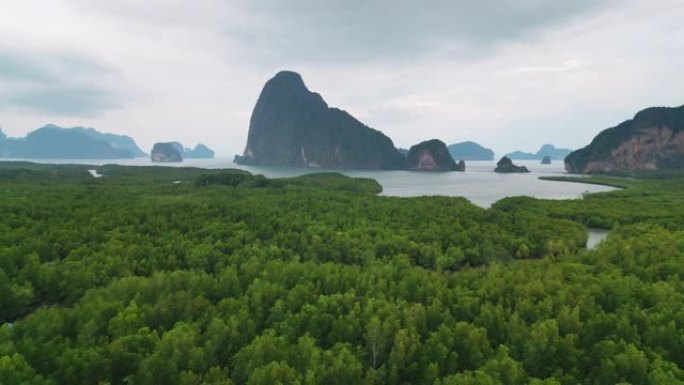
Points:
point(165, 152)
point(431, 155)
point(546, 160)
point(505, 165)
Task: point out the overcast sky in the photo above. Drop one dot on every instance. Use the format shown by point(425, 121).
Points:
point(510, 74)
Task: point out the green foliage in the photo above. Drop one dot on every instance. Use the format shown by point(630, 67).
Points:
point(132, 279)
point(650, 200)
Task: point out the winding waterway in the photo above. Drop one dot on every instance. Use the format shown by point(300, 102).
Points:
point(479, 183)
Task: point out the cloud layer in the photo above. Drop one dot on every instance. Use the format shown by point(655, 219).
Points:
point(511, 74)
point(54, 83)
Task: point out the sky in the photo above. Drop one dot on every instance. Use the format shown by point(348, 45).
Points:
point(509, 74)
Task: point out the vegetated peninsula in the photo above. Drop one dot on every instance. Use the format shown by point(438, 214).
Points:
point(652, 140)
point(292, 126)
point(546, 150)
point(431, 155)
point(54, 142)
point(469, 150)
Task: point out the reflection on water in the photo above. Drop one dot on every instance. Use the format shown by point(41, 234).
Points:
point(596, 236)
point(479, 184)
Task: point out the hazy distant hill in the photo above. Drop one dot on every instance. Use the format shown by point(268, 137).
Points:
point(199, 152)
point(2, 135)
point(546, 150)
point(52, 142)
point(470, 151)
point(122, 142)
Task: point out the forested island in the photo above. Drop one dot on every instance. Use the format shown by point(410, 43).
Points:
point(154, 275)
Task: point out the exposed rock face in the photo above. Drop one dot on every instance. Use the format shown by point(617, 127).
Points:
point(431, 155)
point(52, 142)
point(470, 151)
point(291, 126)
point(546, 150)
point(653, 139)
point(165, 153)
point(506, 165)
point(546, 160)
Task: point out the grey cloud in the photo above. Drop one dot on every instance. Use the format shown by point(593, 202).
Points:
point(14, 68)
point(300, 31)
point(310, 30)
point(62, 83)
point(64, 100)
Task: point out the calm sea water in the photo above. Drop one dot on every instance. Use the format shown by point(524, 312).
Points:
point(479, 183)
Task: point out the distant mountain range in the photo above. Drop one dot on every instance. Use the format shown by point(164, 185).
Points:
point(546, 150)
point(470, 151)
point(54, 142)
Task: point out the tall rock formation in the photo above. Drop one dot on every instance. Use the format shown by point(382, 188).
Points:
point(292, 126)
point(431, 155)
point(653, 139)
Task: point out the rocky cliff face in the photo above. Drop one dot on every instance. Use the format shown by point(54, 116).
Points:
point(291, 126)
point(431, 155)
point(165, 153)
point(505, 165)
point(653, 139)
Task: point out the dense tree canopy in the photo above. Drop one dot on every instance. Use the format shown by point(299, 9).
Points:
point(229, 278)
